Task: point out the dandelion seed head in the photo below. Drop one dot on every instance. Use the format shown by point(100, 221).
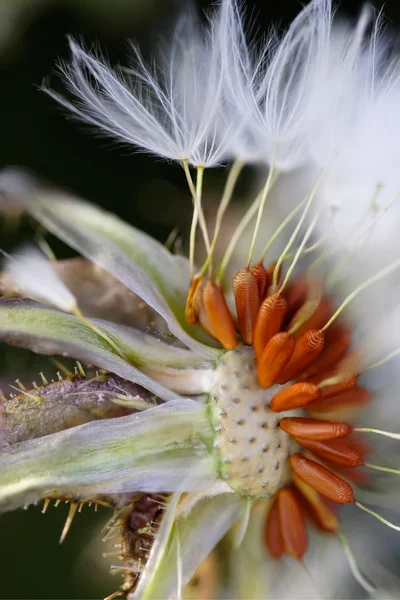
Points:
point(171, 109)
point(303, 322)
point(296, 347)
point(211, 97)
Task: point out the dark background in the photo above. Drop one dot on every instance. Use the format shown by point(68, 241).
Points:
point(35, 133)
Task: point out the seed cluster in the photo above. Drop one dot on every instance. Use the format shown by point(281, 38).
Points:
point(286, 351)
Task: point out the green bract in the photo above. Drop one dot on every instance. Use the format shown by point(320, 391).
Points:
point(158, 449)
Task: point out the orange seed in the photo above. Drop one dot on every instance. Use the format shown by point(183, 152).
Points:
point(273, 535)
point(337, 342)
point(355, 398)
point(294, 396)
point(219, 315)
point(335, 451)
point(307, 348)
point(268, 322)
point(292, 522)
point(313, 429)
point(245, 290)
point(322, 480)
point(274, 357)
point(262, 279)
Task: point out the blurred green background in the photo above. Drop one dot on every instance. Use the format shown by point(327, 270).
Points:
point(150, 193)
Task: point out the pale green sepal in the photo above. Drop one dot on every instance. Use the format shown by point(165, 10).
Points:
point(182, 543)
point(162, 449)
point(178, 369)
point(140, 262)
point(45, 330)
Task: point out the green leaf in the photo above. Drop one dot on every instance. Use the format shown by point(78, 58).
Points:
point(137, 260)
point(161, 449)
point(44, 330)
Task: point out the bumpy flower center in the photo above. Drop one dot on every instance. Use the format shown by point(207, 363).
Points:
point(252, 449)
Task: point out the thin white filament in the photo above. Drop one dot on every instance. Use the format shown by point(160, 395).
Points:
point(193, 225)
point(198, 214)
point(310, 198)
point(353, 565)
point(231, 181)
point(298, 255)
point(378, 516)
point(357, 242)
point(314, 297)
point(199, 193)
point(272, 175)
point(281, 227)
point(384, 360)
point(384, 469)
point(245, 220)
point(394, 436)
point(386, 271)
point(306, 251)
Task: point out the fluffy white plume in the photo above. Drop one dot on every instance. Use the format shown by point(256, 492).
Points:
point(212, 97)
point(269, 91)
point(33, 274)
point(354, 135)
point(171, 109)
point(319, 95)
point(285, 92)
point(241, 66)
